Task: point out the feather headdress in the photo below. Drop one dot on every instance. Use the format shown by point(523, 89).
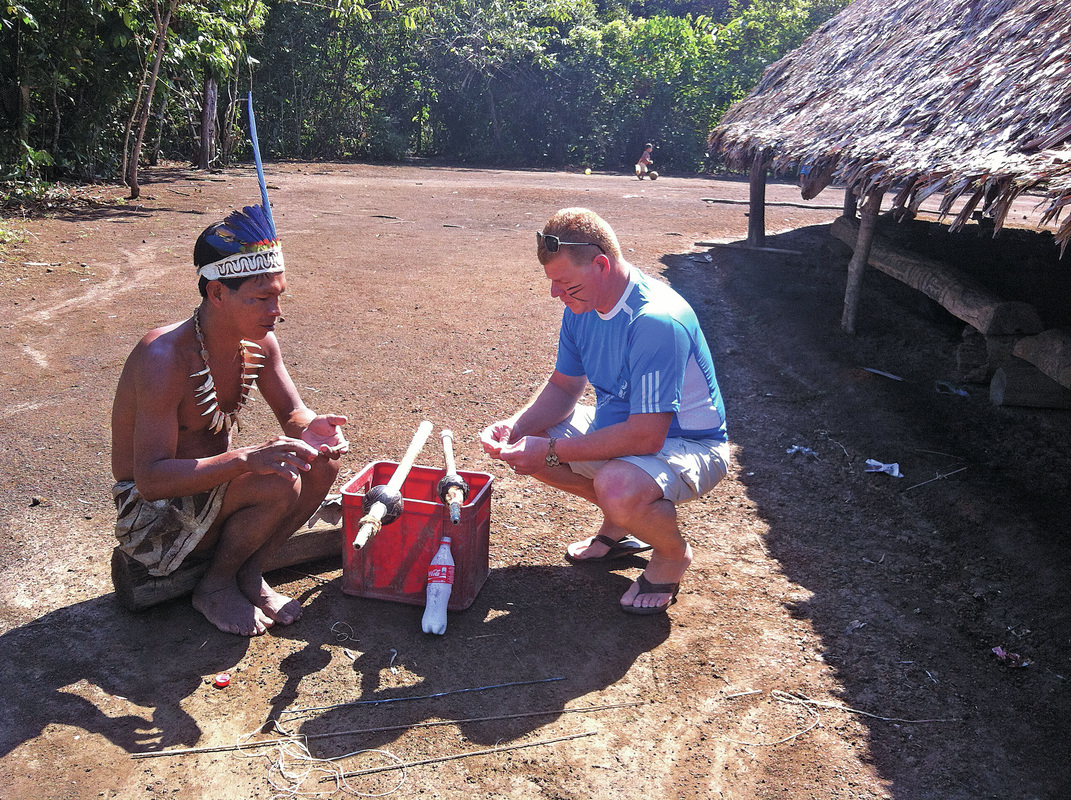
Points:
point(247, 236)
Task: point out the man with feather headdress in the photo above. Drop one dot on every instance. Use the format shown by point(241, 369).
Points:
point(182, 492)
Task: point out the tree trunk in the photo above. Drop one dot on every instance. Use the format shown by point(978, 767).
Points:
point(958, 292)
point(1050, 352)
point(225, 132)
point(154, 155)
point(496, 133)
point(1018, 383)
point(208, 123)
point(135, 589)
point(141, 117)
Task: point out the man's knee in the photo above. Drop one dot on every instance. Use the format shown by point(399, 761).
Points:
point(623, 489)
point(275, 491)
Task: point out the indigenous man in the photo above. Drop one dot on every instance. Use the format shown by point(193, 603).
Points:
point(656, 436)
point(182, 492)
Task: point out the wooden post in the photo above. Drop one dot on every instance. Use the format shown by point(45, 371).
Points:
point(850, 206)
point(1050, 352)
point(756, 222)
point(868, 226)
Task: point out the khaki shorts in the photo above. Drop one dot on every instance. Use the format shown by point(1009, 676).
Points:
point(159, 534)
point(685, 469)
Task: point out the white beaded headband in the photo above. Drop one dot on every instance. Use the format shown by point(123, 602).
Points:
point(240, 265)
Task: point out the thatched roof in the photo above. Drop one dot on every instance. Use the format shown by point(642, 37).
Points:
point(970, 98)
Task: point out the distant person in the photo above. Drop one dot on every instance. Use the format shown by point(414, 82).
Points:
point(656, 436)
point(643, 166)
point(181, 491)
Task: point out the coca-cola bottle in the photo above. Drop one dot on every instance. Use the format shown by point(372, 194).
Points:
point(440, 584)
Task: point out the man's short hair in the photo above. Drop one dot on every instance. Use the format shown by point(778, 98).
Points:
point(206, 253)
point(579, 225)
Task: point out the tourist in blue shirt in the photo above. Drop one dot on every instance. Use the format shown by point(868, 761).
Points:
point(656, 436)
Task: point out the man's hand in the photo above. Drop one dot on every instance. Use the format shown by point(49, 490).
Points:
point(495, 436)
point(527, 456)
point(325, 434)
point(282, 456)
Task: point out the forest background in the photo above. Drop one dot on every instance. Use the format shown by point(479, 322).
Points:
point(101, 86)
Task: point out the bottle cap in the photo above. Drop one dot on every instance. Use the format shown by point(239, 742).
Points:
point(223, 679)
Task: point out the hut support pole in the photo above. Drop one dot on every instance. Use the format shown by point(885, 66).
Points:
point(756, 221)
point(867, 228)
point(850, 206)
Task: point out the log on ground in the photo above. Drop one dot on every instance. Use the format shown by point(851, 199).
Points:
point(1019, 383)
point(959, 293)
point(136, 589)
point(1050, 352)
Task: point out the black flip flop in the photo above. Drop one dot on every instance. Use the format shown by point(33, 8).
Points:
point(625, 547)
point(646, 587)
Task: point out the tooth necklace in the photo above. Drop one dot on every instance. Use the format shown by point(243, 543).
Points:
point(205, 394)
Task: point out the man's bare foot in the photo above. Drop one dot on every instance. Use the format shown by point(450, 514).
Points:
point(230, 610)
point(659, 571)
point(277, 606)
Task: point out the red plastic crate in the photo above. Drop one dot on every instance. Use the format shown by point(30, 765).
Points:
point(393, 565)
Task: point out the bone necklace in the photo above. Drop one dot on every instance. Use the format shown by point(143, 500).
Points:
point(205, 394)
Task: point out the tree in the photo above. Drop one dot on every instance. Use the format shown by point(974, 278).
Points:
point(487, 61)
point(140, 118)
point(71, 65)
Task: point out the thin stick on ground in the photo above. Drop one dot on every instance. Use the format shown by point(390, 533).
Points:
point(809, 705)
point(455, 756)
point(386, 729)
point(415, 697)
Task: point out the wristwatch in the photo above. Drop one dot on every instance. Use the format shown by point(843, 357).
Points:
point(552, 457)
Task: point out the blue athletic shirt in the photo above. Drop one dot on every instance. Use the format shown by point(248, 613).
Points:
point(646, 356)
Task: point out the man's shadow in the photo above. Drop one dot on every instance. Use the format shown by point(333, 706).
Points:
point(76, 664)
point(535, 639)
point(556, 633)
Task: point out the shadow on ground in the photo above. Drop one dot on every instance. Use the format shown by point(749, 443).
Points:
point(544, 629)
point(913, 580)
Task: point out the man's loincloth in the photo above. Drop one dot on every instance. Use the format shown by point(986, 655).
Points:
point(159, 534)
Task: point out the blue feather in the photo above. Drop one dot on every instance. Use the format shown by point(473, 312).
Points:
point(245, 230)
point(260, 165)
point(252, 228)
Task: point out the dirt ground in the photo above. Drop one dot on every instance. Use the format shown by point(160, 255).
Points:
point(834, 638)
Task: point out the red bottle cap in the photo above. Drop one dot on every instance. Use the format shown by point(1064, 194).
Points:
point(223, 679)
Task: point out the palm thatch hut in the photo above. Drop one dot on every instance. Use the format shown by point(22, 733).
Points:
point(959, 99)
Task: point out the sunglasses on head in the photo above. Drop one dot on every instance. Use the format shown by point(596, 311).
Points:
point(552, 243)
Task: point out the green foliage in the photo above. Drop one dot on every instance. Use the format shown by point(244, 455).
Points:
point(24, 183)
point(629, 82)
point(486, 64)
point(74, 73)
point(760, 32)
point(514, 82)
point(8, 233)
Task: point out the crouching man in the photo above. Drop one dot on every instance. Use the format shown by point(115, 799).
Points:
point(181, 491)
point(656, 436)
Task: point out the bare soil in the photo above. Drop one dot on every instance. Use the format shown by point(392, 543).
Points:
point(833, 640)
